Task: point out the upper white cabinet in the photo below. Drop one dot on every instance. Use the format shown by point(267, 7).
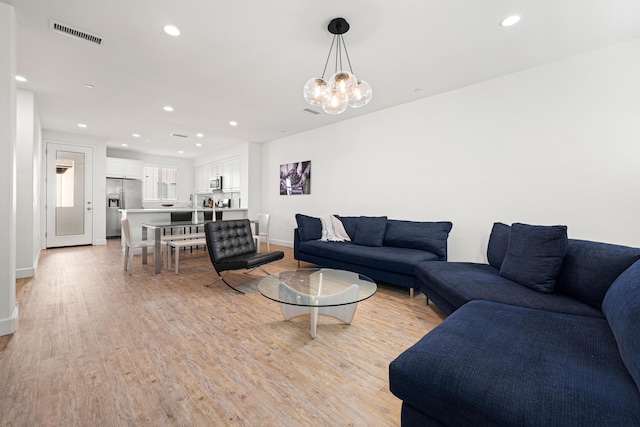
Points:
point(201, 181)
point(229, 169)
point(124, 168)
point(231, 175)
point(235, 174)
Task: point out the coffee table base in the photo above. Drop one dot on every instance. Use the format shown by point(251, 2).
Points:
point(344, 313)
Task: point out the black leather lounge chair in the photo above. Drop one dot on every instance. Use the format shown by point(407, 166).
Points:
point(231, 247)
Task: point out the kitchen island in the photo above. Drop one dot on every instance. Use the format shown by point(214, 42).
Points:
point(162, 215)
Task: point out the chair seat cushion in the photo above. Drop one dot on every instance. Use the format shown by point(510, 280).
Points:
point(247, 261)
point(496, 364)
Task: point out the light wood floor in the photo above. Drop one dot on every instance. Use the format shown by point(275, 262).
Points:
point(95, 347)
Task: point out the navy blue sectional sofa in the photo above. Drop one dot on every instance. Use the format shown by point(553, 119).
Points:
point(380, 248)
point(515, 353)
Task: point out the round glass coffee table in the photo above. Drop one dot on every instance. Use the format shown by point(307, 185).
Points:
point(317, 291)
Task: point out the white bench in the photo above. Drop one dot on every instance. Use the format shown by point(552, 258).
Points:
point(178, 244)
point(171, 237)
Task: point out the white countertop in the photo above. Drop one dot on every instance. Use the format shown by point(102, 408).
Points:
point(172, 209)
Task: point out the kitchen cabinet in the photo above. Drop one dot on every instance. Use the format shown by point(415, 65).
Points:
point(124, 168)
point(229, 170)
point(231, 175)
point(201, 179)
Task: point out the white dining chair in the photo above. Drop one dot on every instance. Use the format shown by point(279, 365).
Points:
point(130, 246)
point(263, 228)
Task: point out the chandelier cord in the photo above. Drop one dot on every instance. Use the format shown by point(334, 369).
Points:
point(328, 56)
point(347, 54)
point(338, 55)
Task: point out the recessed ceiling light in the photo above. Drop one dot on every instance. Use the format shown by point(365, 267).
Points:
point(124, 145)
point(135, 135)
point(180, 152)
point(88, 86)
point(171, 30)
point(82, 125)
point(198, 145)
point(167, 108)
point(509, 21)
point(199, 135)
point(233, 123)
point(21, 79)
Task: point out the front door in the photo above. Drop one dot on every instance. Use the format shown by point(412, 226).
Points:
point(69, 191)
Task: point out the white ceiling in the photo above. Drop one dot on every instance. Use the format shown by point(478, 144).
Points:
point(247, 60)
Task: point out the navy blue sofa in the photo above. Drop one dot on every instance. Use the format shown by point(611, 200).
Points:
point(380, 248)
point(509, 355)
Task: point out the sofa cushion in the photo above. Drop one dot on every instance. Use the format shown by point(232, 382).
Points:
point(450, 285)
point(534, 255)
point(589, 269)
point(498, 244)
point(397, 260)
point(370, 230)
point(621, 307)
point(350, 224)
point(496, 364)
point(309, 228)
point(426, 236)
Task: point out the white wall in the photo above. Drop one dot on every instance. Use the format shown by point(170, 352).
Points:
point(184, 166)
point(556, 144)
point(8, 41)
point(29, 156)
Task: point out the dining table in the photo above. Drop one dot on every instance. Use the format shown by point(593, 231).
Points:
point(158, 228)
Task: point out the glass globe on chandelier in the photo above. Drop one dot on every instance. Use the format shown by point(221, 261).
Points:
point(343, 89)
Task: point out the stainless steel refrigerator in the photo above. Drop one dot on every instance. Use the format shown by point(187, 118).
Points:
point(121, 194)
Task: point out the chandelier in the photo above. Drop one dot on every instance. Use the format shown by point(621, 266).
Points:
point(343, 89)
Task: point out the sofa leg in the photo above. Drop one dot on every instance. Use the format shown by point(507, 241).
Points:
point(427, 298)
point(410, 292)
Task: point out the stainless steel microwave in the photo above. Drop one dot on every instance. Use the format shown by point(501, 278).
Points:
point(215, 183)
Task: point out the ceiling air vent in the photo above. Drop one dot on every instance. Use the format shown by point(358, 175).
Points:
point(72, 32)
point(310, 111)
point(177, 135)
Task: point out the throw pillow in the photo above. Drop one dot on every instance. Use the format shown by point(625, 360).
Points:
point(309, 228)
point(534, 255)
point(370, 230)
point(350, 223)
point(498, 243)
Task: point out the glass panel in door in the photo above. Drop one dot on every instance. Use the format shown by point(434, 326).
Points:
point(70, 169)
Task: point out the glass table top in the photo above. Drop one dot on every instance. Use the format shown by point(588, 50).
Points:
point(317, 287)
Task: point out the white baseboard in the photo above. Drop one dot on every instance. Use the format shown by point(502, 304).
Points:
point(285, 243)
point(8, 324)
point(100, 242)
point(21, 273)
